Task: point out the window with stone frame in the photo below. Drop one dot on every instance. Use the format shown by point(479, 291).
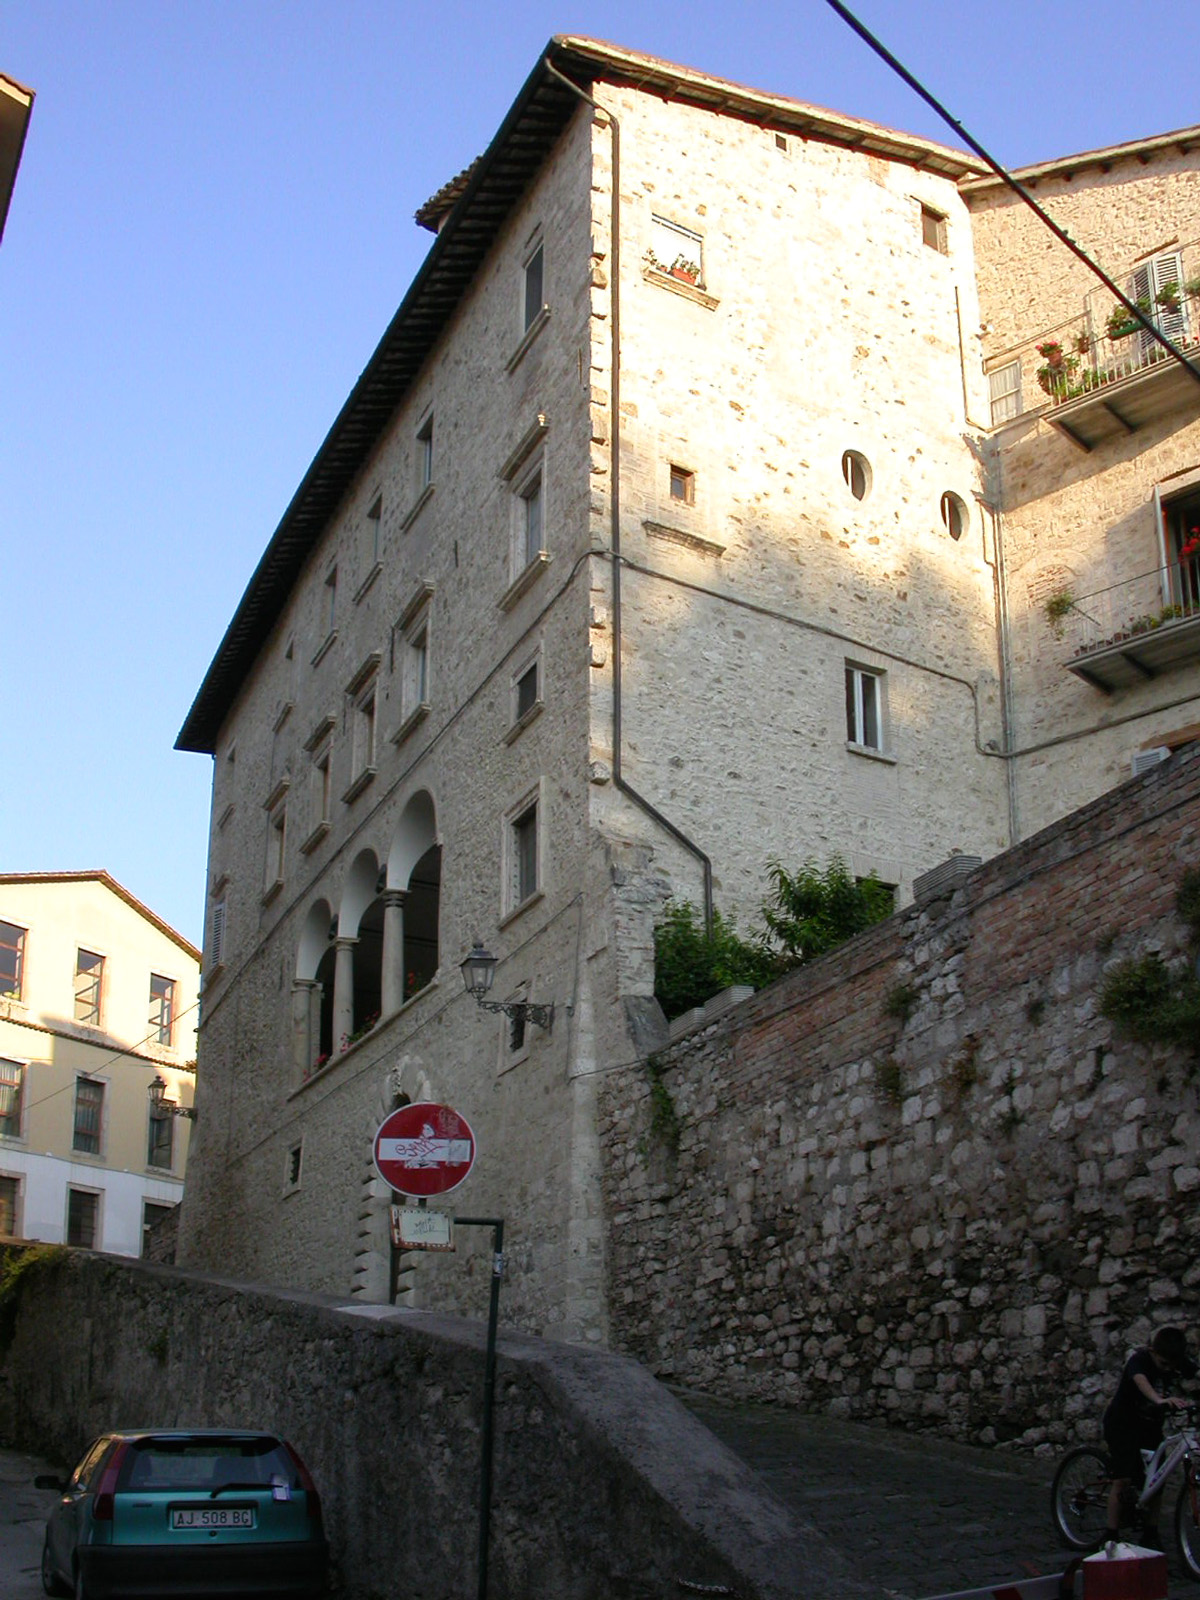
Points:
point(160, 1144)
point(162, 1010)
point(424, 443)
point(864, 707)
point(531, 519)
point(83, 1217)
point(10, 1205)
point(1181, 533)
point(363, 694)
point(522, 852)
point(533, 285)
point(676, 251)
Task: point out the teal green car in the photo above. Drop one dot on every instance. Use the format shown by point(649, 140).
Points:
point(186, 1514)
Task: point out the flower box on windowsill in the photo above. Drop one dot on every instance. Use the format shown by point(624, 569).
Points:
point(690, 291)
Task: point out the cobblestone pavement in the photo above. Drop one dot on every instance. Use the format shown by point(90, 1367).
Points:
point(916, 1515)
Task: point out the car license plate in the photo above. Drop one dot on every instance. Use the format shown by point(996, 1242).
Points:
point(213, 1517)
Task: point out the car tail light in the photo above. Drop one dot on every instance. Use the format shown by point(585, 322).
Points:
point(312, 1499)
point(102, 1504)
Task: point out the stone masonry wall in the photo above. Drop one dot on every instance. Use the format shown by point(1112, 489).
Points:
point(957, 1218)
point(604, 1485)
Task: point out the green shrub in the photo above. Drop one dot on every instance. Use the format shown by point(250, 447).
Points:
point(1152, 1003)
point(812, 912)
point(691, 965)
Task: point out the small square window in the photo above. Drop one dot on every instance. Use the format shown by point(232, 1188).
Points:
point(89, 970)
point(534, 284)
point(83, 1214)
point(162, 1009)
point(864, 708)
point(933, 229)
point(12, 959)
point(10, 1206)
point(676, 251)
point(683, 486)
point(89, 1114)
point(12, 1085)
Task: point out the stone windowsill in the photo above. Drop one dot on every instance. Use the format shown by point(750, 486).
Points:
point(226, 814)
point(413, 720)
point(689, 291)
point(530, 334)
point(525, 580)
point(871, 753)
point(271, 891)
point(363, 781)
point(523, 722)
point(680, 536)
point(418, 505)
point(361, 592)
point(309, 844)
point(325, 646)
point(519, 911)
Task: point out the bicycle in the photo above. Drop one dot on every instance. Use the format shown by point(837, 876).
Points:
point(1079, 1493)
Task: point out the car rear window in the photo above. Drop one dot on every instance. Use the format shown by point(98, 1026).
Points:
point(206, 1464)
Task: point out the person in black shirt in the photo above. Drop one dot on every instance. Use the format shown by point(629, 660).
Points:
point(1133, 1421)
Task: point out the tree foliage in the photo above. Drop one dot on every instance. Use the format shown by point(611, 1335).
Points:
point(805, 915)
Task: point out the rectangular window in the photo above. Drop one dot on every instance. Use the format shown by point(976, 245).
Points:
point(864, 708)
point(1157, 285)
point(89, 969)
point(1181, 520)
point(162, 1009)
point(12, 959)
point(933, 229)
point(683, 486)
point(364, 730)
point(152, 1214)
point(295, 1162)
point(10, 1201)
point(676, 251)
point(375, 530)
point(523, 854)
point(534, 287)
point(530, 496)
point(83, 1209)
point(89, 1112)
point(322, 786)
point(1005, 387)
point(331, 601)
point(425, 454)
point(276, 843)
point(526, 691)
point(415, 681)
point(160, 1147)
point(216, 939)
point(12, 1084)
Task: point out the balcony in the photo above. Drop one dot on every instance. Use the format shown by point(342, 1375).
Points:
point(1100, 374)
point(1133, 631)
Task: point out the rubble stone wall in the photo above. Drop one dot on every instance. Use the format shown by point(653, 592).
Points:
point(924, 1179)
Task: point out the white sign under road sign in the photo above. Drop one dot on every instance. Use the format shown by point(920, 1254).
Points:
point(414, 1228)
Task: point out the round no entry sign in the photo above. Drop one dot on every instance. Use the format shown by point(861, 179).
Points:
point(424, 1149)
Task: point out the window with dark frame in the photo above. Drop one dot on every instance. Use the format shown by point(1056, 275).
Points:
point(1181, 526)
point(531, 518)
point(89, 1113)
point(683, 486)
point(152, 1214)
point(425, 453)
point(12, 959)
point(525, 850)
point(857, 473)
point(864, 708)
point(162, 1009)
point(12, 1087)
point(10, 1196)
point(933, 229)
point(330, 601)
point(89, 971)
point(160, 1146)
point(954, 515)
point(374, 528)
point(294, 1163)
point(82, 1214)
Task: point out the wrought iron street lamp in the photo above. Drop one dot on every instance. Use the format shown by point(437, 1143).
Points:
point(160, 1106)
point(479, 969)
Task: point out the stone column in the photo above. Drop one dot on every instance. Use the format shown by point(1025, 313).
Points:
point(393, 951)
point(303, 1044)
point(343, 991)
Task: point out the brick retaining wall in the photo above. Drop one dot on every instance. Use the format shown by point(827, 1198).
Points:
point(958, 1219)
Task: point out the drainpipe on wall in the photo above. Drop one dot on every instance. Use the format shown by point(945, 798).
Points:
point(619, 779)
point(1000, 595)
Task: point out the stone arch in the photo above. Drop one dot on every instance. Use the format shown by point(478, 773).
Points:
point(312, 990)
point(414, 870)
point(360, 918)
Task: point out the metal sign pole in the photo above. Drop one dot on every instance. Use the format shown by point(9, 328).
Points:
point(489, 1389)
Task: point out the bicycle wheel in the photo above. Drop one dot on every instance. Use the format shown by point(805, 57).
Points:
point(1187, 1524)
point(1079, 1497)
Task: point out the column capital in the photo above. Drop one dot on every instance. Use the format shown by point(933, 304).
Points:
point(345, 941)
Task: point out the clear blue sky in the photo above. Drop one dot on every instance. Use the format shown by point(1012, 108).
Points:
point(211, 228)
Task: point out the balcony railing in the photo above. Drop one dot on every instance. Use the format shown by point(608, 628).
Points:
point(1100, 372)
point(1134, 630)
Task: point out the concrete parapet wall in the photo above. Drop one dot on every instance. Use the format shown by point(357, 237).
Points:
point(604, 1485)
point(924, 1179)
